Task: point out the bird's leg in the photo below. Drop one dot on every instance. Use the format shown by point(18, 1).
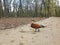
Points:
point(38, 30)
point(35, 30)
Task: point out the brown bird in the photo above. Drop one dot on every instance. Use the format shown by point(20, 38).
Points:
point(36, 26)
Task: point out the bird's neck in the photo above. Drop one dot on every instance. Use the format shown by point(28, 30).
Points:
point(33, 22)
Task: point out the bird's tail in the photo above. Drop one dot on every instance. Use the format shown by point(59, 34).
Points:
point(43, 26)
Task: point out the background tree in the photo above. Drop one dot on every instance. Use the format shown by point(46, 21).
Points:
point(36, 7)
point(20, 9)
point(1, 10)
point(29, 8)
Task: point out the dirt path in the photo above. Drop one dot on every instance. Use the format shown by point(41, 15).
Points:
point(26, 36)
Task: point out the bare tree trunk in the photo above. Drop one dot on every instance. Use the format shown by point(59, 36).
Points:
point(36, 8)
point(1, 10)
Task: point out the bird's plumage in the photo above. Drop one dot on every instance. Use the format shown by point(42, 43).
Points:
point(36, 26)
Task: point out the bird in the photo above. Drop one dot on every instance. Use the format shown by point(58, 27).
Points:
point(36, 26)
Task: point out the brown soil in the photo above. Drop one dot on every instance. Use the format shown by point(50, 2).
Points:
point(7, 23)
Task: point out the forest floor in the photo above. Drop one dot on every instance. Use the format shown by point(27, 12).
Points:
point(7, 23)
point(24, 35)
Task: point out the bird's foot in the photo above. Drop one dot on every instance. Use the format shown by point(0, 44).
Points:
point(35, 30)
point(38, 30)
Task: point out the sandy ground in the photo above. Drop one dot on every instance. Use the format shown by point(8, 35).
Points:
point(24, 35)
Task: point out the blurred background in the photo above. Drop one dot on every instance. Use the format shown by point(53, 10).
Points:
point(29, 8)
point(19, 12)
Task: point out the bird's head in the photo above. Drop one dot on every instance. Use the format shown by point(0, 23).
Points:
point(32, 20)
